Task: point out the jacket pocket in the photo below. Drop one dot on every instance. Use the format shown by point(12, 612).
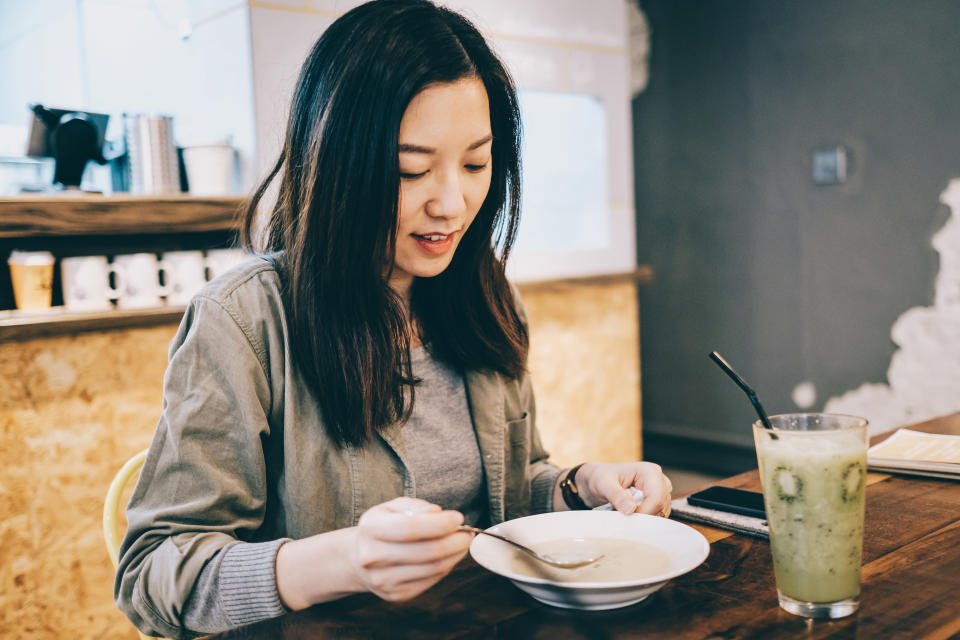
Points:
point(517, 459)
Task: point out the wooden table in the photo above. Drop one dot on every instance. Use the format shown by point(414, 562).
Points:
point(911, 587)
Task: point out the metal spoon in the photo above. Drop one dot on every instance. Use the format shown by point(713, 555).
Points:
point(562, 560)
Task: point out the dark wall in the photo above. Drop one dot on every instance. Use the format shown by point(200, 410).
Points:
point(789, 280)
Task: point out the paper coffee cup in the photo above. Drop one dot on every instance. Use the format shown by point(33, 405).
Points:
point(32, 275)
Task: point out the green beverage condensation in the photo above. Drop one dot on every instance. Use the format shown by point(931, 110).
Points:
point(814, 486)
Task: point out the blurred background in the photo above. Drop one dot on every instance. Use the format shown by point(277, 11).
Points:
point(792, 162)
point(770, 180)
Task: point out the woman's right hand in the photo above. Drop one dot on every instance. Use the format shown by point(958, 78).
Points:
point(405, 546)
point(398, 550)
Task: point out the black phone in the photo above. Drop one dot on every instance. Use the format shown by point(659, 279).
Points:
point(747, 503)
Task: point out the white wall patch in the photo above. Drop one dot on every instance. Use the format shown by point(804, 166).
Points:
point(924, 373)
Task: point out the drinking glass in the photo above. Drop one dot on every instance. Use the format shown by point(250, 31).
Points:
point(813, 468)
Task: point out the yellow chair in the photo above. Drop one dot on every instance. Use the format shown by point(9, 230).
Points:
point(111, 506)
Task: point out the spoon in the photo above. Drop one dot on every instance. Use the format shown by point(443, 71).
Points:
point(562, 560)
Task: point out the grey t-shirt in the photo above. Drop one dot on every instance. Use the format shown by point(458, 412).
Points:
point(441, 444)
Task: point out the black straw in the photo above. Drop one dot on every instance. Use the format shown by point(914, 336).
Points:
point(723, 364)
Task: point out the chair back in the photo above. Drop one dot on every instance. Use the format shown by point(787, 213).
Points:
point(112, 534)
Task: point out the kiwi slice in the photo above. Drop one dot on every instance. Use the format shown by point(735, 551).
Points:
point(788, 485)
point(851, 481)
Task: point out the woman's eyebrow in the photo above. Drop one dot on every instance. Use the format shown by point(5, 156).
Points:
point(416, 148)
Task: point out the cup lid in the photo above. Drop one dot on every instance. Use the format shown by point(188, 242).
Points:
point(31, 258)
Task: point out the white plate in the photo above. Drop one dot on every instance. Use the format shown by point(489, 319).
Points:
point(685, 545)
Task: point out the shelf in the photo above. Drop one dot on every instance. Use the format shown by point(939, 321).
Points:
point(31, 216)
point(71, 225)
point(25, 325)
point(641, 275)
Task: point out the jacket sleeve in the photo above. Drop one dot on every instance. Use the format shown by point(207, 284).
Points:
point(185, 567)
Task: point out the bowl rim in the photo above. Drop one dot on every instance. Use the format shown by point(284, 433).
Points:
point(701, 542)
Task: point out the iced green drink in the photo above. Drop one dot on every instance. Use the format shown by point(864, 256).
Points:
point(813, 469)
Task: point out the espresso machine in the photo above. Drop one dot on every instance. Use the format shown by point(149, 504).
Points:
point(71, 138)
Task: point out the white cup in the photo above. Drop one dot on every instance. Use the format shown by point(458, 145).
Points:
point(209, 169)
point(86, 283)
point(141, 286)
point(219, 261)
point(184, 274)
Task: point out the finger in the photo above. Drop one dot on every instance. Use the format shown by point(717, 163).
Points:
point(407, 527)
point(437, 570)
point(624, 502)
point(410, 589)
point(609, 487)
point(384, 554)
point(390, 578)
point(654, 485)
point(409, 505)
point(668, 498)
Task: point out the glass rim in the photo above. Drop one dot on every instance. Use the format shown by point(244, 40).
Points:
point(864, 422)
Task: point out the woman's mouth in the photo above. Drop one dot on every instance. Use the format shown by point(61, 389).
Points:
point(435, 243)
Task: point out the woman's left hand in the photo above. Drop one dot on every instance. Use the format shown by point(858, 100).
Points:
point(601, 482)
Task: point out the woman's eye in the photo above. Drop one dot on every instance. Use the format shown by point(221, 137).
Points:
point(413, 176)
point(476, 167)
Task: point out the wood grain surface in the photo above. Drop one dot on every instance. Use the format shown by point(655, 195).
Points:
point(911, 571)
point(25, 216)
point(20, 325)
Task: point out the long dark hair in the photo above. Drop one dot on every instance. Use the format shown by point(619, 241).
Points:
point(335, 218)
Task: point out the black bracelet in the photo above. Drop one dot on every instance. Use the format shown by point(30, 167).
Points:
point(570, 492)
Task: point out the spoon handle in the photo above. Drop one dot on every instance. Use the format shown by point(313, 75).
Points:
point(505, 539)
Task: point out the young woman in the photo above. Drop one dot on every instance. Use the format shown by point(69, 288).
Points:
point(336, 407)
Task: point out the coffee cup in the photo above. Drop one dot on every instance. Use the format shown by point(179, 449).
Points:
point(219, 261)
point(86, 283)
point(209, 169)
point(31, 273)
point(141, 280)
point(184, 275)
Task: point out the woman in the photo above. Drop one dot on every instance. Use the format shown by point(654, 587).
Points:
point(334, 409)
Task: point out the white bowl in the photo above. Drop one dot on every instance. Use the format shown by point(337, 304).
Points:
point(685, 546)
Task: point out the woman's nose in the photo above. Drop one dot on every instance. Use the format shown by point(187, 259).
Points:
point(448, 200)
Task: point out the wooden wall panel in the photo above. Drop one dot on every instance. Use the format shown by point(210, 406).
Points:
point(585, 367)
point(72, 410)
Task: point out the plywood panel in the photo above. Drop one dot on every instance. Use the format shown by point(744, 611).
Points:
point(585, 366)
point(71, 411)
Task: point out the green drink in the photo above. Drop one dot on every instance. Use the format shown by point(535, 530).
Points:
point(813, 469)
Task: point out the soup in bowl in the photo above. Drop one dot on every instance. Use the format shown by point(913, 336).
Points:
point(641, 553)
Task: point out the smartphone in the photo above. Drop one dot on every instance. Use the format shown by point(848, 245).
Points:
point(747, 503)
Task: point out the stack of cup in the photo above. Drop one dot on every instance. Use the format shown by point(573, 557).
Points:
point(152, 167)
point(141, 281)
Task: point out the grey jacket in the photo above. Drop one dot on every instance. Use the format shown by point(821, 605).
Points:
point(240, 463)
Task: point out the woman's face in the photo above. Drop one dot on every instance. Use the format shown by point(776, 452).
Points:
point(445, 170)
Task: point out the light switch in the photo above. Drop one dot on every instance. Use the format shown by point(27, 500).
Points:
point(830, 165)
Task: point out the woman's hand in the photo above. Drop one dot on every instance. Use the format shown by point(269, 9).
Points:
point(405, 546)
point(601, 482)
point(397, 550)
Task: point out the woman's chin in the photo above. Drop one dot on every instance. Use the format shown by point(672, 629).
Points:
point(429, 269)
